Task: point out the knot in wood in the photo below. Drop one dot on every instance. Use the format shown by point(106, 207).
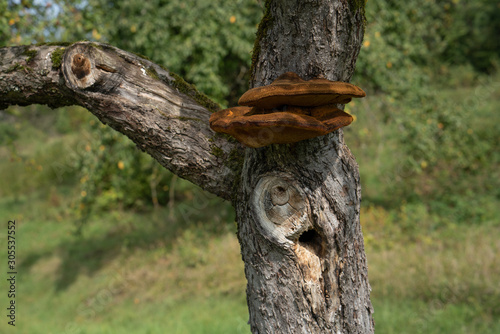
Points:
point(282, 201)
point(80, 66)
point(279, 193)
point(281, 209)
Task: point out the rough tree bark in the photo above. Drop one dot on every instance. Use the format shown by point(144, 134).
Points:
point(298, 207)
point(297, 204)
point(162, 114)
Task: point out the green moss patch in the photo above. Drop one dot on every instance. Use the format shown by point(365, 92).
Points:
point(217, 151)
point(181, 118)
point(182, 86)
point(235, 160)
point(264, 25)
point(152, 72)
point(55, 44)
point(15, 67)
point(140, 55)
point(30, 54)
point(56, 57)
point(357, 4)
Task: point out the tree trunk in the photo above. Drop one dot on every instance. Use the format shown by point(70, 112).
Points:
point(297, 204)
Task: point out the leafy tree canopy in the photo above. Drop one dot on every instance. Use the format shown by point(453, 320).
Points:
point(408, 47)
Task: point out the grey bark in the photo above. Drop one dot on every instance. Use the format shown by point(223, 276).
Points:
point(164, 116)
point(298, 208)
point(297, 204)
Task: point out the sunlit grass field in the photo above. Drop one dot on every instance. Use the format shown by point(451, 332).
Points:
point(178, 269)
point(143, 273)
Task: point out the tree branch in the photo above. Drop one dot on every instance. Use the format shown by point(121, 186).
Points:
point(162, 114)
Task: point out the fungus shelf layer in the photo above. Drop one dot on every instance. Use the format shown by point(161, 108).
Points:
point(288, 110)
point(255, 129)
point(290, 89)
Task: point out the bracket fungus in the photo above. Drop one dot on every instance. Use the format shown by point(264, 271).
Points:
point(288, 110)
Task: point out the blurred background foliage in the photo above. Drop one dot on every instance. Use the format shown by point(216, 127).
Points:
point(426, 138)
point(208, 43)
point(411, 52)
point(416, 57)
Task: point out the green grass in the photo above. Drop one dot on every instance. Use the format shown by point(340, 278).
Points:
point(394, 316)
point(126, 271)
point(142, 273)
point(441, 281)
point(431, 268)
point(218, 315)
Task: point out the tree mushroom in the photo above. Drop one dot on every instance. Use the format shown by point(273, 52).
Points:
point(290, 89)
point(288, 110)
point(253, 128)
